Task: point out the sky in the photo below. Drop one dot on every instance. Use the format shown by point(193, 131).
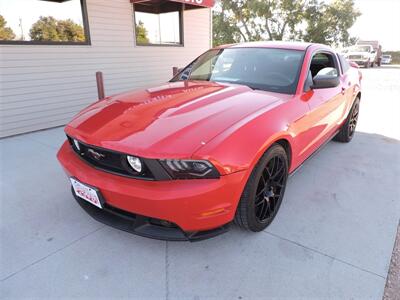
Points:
point(380, 20)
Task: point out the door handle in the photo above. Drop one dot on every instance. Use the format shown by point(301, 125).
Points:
point(343, 90)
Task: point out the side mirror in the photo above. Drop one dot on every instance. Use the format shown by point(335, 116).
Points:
point(325, 78)
point(373, 52)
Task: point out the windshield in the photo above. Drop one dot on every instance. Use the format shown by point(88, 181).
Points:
point(274, 70)
point(362, 49)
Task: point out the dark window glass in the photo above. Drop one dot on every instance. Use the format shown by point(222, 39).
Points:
point(158, 24)
point(43, 22)
point(321, 61)
point(274, 70)
point(321, 64)
point(344, 63)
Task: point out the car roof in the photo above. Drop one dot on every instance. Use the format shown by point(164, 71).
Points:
point(270, 44)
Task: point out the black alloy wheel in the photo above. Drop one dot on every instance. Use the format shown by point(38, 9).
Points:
point(269, 189)
point(264, 190)
point(346, 132)
point(353, 119)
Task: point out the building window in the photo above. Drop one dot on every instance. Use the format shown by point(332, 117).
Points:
point(158, 23)
point(44, 22)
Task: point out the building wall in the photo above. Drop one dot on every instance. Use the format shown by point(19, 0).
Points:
point(45, 86)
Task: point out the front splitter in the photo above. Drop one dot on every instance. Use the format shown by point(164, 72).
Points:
point(144, 226)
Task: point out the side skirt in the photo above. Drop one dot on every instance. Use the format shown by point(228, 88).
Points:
point(315, 152)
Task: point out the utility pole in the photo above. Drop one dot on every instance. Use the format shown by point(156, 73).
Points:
point(22, 30)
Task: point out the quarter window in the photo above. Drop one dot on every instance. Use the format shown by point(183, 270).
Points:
point(158, 24)
point(43, 22)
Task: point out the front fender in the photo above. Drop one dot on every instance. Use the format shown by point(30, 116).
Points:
point(240, 147)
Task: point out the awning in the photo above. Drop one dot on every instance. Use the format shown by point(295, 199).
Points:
point(189, 3)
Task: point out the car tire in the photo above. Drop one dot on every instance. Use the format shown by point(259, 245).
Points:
point(264, 190)
point(366, 64)
point(372, 64)
point(348, 129)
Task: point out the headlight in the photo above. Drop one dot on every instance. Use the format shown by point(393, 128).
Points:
point(190, 169)
point(76, 144)
point(135, 163)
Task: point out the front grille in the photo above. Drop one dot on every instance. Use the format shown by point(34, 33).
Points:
point(109, 161)
point(355, 57)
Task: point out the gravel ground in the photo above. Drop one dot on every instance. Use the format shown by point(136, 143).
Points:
point(392, 288)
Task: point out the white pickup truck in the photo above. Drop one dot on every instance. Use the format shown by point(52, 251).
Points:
point(362, 55)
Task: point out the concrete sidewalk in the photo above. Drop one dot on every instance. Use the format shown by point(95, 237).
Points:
point(332, 238)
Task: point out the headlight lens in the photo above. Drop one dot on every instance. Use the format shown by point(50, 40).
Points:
point(135, 163)
point(190, 169)
point(76, 144)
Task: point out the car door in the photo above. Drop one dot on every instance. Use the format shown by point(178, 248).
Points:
point(326, 105)
point(349, 81)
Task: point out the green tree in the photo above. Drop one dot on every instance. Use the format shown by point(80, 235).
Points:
point(51, 29)
point(252, 20)
point(224, 30)
point(70, 31)
point(6, 33)
point(141, 34)
point(309, 20)
point(329, 23)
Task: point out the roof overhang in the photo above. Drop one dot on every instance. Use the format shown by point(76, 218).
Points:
point(201, 3)
point(189, 3)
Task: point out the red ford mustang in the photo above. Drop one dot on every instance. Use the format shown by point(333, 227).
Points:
point(216, 144)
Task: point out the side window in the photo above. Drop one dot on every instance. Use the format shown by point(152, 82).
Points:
point(344, 63)
point(322, 63)
point(200, 68)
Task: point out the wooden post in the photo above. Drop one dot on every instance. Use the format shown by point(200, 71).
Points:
point(100, 85)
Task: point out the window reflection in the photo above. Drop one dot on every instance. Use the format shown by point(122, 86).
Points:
point(42, 21)
point(158, 24)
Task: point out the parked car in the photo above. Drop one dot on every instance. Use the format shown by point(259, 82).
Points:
point(216, 144)
point(386, 59)
point(362, 55)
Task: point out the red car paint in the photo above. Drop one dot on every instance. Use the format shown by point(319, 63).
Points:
point(229, 125)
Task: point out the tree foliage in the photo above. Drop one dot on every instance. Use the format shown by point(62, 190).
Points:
point(6, 33)
point(329, 24)
point(141, 33)
point(308, 20)
point(51, 29)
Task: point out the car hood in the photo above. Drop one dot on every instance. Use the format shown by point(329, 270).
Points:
point(171, 120)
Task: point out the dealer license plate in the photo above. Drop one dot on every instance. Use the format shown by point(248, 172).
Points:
point(86, 192)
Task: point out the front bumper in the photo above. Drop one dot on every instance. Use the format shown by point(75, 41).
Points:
point(360, 62)
point(194, 206)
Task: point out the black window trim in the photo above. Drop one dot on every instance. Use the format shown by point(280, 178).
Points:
point(86, 30)
point(181, 31)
